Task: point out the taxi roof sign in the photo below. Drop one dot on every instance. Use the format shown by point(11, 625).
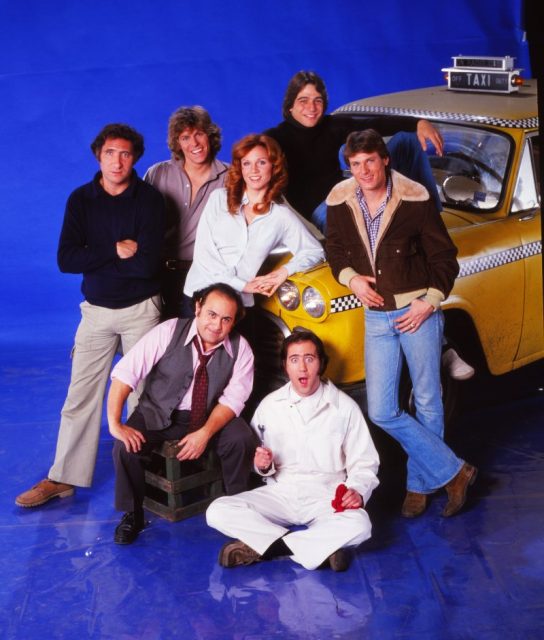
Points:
point(502, 63)
point(484, 74)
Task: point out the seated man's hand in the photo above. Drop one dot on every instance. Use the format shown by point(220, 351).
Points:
point(263, 459)
point(352, 500)
point(193, 445)
point(131, 438)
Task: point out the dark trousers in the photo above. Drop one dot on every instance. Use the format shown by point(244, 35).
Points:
point(175, 304)
point(235, 445)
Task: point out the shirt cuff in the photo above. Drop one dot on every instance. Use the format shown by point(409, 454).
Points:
point(125, 378)
point(269, 473)
point(237, 283)
point(346, 275)
point(232, 404)
point(434, 297)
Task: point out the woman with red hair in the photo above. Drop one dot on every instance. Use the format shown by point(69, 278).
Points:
point(247, 220)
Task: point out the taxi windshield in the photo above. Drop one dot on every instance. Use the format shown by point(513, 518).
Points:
point(471, 175)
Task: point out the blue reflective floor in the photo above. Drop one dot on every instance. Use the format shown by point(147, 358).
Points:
point(479, 575)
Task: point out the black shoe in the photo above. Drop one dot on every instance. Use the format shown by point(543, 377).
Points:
point(128, 529)
point(339, 560)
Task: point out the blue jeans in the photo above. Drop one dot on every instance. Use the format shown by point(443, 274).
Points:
point(431, 463)
point(408, 158)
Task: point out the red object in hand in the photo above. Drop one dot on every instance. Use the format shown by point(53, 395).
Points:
point(341, 489)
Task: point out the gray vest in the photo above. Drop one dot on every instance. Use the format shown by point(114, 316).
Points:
point(168, 381)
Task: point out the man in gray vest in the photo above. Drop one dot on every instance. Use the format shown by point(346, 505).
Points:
point(198, 376)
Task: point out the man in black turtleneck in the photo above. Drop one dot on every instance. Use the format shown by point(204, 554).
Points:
point(311, 141)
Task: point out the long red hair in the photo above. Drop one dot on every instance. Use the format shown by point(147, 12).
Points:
point(234, 182)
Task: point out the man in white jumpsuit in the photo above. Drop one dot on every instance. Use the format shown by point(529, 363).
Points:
point(314, 438)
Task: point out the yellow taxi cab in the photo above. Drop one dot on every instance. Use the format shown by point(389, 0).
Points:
point(488, 182)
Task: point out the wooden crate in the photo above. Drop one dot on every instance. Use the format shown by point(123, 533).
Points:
point(175, 489)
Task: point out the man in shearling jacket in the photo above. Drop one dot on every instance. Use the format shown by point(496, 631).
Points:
point(386, 242)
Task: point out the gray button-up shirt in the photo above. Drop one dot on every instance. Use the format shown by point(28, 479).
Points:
point(182, 216)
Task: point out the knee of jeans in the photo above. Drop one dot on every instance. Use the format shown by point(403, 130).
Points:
point(383, 418)
point(403, 140)
point(319, 217)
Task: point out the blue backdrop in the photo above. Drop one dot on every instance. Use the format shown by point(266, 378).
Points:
point(70, 66)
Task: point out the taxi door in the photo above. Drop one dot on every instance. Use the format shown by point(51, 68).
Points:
point(526, 210)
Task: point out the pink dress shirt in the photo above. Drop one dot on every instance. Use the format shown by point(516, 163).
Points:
point(139, 361)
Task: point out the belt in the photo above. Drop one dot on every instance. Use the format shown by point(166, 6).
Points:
point(177, 265)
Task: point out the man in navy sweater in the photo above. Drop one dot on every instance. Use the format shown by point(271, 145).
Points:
point(112, 234)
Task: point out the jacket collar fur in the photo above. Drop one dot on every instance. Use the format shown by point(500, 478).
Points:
point(403, 189)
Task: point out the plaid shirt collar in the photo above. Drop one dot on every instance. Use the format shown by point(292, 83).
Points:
point(373, 223)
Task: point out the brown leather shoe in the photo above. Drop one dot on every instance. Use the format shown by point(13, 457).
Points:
point(457, 489)
point(414, 504)
point(43, 492)
point(235, 553)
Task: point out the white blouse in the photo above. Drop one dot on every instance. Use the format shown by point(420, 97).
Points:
point(229, 250)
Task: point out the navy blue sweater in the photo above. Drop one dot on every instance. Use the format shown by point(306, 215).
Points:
point(94, 222)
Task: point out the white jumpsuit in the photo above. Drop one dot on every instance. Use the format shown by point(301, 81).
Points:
point(318, 442)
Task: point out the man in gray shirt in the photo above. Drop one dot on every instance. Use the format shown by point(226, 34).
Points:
point(186, 182)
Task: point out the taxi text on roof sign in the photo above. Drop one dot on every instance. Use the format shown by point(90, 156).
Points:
point(484, 74)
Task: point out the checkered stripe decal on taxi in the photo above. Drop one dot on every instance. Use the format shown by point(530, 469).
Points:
point(476, 265)
point(345, 303)
point(467, 268)
point(521, 123)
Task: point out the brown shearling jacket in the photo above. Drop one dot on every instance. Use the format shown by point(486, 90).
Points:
point(415, 256)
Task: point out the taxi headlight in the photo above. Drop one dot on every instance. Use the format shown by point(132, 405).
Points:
point(288, 295)
point(313, 302)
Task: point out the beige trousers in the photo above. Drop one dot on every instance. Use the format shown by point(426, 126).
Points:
point(100, 333)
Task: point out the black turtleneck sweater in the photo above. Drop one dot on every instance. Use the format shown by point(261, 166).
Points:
point(312, 153)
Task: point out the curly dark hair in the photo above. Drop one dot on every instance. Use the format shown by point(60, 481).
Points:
point(234, 182)
point(300, 334)
point(295, 86)
point(122, 131)
point(194, 117)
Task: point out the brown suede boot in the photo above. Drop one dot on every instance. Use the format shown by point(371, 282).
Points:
point(236, 553)
point(414, 504)
point(457, 489)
